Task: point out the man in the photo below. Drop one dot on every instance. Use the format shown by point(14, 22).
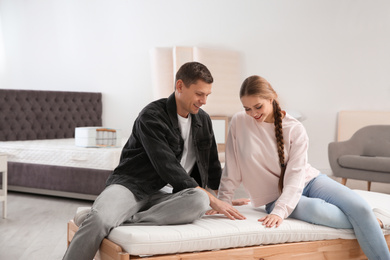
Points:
point(172, 143)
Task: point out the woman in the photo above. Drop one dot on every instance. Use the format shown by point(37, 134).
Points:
point(267, 152)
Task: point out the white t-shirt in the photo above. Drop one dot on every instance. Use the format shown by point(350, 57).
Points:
point(188, 157)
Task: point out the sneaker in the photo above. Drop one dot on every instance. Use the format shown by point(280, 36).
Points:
point(383, 216)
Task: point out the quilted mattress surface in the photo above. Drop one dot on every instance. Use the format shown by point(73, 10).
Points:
point(61, 152)
point(217, 232)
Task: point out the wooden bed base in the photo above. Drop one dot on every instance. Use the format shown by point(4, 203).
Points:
point(335, 249)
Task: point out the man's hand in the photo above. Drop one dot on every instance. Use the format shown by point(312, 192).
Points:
point(271, 220)
point(225, 208)
point(219, 206)
point(237, 202)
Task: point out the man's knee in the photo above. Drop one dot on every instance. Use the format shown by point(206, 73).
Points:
point(95, 220)
point(199, 200)
point(81, 215)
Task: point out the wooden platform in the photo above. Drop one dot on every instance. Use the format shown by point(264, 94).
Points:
point(335, 249)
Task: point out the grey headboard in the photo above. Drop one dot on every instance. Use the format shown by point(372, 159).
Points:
point(37, 114)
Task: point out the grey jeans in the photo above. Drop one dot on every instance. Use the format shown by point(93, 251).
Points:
point(116, 205)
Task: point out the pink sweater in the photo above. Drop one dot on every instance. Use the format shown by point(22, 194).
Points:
point(252, 159)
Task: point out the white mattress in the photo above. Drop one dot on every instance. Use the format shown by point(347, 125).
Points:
point(61, 152)
point(216, 232)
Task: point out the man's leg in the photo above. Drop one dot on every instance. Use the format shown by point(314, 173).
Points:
point(182, 207)
point(111, 208)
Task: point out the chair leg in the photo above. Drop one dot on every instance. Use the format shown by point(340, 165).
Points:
point(344, 181)
point(368, 185)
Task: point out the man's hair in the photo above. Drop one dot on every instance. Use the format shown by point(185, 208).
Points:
point(191, 72)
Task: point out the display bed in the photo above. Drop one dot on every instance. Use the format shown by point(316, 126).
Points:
point(61, 152)
point(215, 237)
point(57, 165)
point(29, 115)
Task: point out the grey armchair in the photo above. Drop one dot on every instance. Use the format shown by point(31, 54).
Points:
point(365, 156)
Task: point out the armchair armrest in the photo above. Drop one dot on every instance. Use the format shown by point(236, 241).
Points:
point(337, 149)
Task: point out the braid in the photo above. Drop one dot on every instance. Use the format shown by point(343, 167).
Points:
point(259, 87)
point(279, 141)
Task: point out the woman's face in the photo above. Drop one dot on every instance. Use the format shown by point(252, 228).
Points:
point(259, 108)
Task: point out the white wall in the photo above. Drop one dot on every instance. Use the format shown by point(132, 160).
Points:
point(322, 56)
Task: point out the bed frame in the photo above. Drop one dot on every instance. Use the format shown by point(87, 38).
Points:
point(345, 249)
point(36, 114)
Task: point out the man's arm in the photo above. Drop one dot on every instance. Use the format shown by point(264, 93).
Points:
point(223, 207)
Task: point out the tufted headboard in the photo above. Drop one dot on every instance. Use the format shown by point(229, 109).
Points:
point(37, 114)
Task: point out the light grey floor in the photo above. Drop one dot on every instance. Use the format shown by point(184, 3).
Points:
point(36, 225)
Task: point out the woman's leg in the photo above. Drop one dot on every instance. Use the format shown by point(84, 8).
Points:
point(356, 210)
point(318, 211)
point(110, 209)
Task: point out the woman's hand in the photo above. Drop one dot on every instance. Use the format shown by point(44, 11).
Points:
point(271, 220)
point(240, 202)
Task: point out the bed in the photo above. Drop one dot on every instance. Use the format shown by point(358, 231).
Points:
point(37, 131)
point(215, 237)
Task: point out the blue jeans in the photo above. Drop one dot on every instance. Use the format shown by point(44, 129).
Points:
point(329, 203)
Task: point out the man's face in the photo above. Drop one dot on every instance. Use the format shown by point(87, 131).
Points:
point(190, 98)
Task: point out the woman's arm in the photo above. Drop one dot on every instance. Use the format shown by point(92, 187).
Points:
point(295, 175)
point(231, 174)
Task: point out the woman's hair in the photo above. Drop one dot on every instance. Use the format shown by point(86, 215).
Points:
point(258, 86)
point(191, 72)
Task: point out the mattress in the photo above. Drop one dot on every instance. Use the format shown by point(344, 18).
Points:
point(61, 152)
point(216, 232)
